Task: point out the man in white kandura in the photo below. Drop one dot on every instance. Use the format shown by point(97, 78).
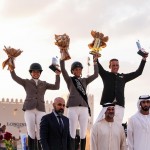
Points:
point(138, 129)
point(107, 134)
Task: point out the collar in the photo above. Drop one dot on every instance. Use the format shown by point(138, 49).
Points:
point(55, 113)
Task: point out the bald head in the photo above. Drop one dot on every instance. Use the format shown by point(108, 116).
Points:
point(59, 99)
point(59, 105)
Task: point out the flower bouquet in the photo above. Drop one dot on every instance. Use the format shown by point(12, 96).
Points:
point(7, 140)
point(12, 54)
point(62, 41)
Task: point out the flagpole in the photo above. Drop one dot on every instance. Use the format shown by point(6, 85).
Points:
point(88, 65)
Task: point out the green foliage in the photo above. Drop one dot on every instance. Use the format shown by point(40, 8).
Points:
point(9, 144)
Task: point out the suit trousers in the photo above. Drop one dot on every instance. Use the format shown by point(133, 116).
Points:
point(33, 119)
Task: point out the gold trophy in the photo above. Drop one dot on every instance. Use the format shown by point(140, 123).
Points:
point(62, 41)
point(98, 43)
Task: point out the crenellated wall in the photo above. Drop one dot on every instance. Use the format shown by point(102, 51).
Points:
point(12, 115)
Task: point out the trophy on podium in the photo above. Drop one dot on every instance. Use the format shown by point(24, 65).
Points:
point(141, 51)
point(62, 41)
point(54, 66)
point(98, 43)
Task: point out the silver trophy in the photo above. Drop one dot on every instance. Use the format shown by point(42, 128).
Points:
point(54, 66)
point(141, 51)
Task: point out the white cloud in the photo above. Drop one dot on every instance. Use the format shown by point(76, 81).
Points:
point(31, 25)
point(22, 8)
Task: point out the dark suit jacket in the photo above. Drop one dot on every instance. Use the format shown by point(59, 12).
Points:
point(114, 84)
point(51, 137)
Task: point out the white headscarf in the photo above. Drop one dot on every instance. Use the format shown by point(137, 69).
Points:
point(102, 112)
point(144, 119)
point(142, 98)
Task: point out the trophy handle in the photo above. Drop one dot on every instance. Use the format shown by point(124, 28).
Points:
point(95, 53)
point(65, 55)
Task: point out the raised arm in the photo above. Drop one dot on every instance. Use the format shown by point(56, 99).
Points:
point(63, 70)
point(57, 83)
point(138, 72)
point(17, 78)
point(101, 70)
point(95, 75)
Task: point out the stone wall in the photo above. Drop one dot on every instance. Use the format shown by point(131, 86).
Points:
point(12, 115)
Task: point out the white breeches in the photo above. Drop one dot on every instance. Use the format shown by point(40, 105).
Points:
point(119, 113)
point(78, 115)
point(33, 119)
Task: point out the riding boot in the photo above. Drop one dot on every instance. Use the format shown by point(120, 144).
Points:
point(83, 144)
point(72, 144)
point(39, 145)
point(31, 143)
point(35, 144)
point(77, 142)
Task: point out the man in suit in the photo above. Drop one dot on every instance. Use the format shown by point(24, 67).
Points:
point(54, 128)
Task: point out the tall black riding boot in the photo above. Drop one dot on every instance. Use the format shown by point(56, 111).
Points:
point(77, 142)
point(39, 145)
point(72, 144)
point(35, 144)
point(31, 143)
point(83, 144)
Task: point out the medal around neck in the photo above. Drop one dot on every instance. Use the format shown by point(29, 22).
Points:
point(54, 66)
point(141, 51)
point(98, 43)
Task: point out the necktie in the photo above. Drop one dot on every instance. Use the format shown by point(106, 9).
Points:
point(60, 123)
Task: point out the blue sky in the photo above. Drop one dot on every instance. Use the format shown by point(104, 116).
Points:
point(31, 26)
